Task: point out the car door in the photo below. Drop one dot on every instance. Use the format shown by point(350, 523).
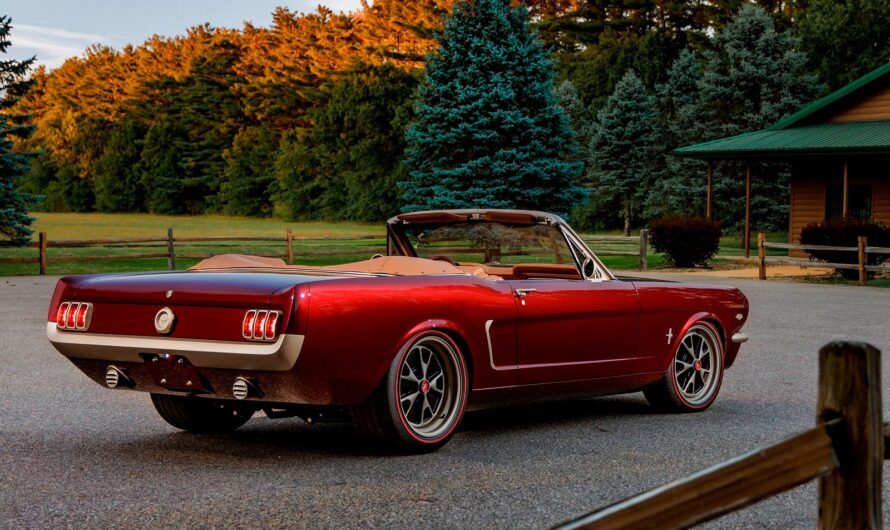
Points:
point(575, 329)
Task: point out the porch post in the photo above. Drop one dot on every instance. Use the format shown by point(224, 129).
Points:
point(710, 202)
point(845, 208)
point(747, 209)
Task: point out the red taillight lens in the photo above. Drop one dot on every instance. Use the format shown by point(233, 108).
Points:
point(247, 326)
point(80, 320)
point(69, 316)
point(259, 324)
point(73, 316)
point(60, 315)
point(271, 323)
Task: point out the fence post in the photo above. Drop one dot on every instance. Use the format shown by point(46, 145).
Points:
point(42, 258)
point(171, 252)
point(761, 253)
point(850, 388)
point(644, 249)
point(863, 242)
point(290, 247)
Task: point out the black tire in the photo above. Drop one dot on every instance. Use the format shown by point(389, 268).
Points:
point(687, 369)
point(383, 419)
point(204, 416)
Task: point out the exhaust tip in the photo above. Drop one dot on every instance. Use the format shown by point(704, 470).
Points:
point(244, 388)
point(116, 378)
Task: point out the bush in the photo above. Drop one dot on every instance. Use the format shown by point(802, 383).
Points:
point(846, 234)
point(685, 241)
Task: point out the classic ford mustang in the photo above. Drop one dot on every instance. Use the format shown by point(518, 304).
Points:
point(467, 309)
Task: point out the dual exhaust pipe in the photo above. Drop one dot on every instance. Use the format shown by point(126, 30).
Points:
point(242, 388)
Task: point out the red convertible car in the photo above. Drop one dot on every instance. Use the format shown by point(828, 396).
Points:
point(467, 309)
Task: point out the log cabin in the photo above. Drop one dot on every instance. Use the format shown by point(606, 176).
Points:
point(838, 148)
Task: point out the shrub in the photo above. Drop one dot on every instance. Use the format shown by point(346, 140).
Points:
point(685, 241)
point(846, 234)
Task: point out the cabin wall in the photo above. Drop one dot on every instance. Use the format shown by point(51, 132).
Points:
point(810, 180)
point(873, 107)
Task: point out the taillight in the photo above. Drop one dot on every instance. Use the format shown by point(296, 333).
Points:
point(260, 324)
point(74, 316)
point(271, 323)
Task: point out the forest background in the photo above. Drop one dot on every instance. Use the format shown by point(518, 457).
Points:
point(306, 119)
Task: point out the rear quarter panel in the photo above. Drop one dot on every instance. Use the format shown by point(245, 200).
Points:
point(667, 310)
point(356, 326)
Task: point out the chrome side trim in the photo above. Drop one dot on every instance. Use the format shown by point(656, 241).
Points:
point(740, 338)
point(275, 356)
point(488, 324)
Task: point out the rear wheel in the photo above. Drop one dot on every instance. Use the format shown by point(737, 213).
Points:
point(422, 399)
point(199, 415)
point(693, 379)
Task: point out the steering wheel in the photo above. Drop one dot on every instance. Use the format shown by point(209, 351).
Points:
point(375, 256)
point(446, 259)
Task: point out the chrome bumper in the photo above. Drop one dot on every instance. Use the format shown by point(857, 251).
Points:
point(274, 356)
point(740, 338)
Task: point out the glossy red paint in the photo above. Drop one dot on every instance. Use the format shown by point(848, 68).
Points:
point(565, 337)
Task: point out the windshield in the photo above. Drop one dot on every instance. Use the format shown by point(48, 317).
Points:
point(490, 242)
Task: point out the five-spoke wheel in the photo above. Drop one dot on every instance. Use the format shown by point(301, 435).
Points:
point(423, 399)
point(693, 379)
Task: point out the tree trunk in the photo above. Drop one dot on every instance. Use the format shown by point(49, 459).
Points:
point(626, 218)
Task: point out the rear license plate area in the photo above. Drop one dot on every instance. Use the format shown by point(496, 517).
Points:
point(174, 372)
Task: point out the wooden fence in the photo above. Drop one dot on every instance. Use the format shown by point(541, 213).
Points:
point(165, 248)
point(845, 452)
point(862, 250)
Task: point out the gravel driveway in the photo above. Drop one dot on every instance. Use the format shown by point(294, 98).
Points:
point(77, 455)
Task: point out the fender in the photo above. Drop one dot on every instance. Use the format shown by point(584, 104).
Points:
point(691, 321)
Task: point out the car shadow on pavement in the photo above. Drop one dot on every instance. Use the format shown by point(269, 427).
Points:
point(519, 417)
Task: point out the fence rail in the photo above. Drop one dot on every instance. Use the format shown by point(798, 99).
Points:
point(845, 451)
point(151, 245)
point(862, 250)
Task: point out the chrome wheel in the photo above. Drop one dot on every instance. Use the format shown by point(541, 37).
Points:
point(698, 365)
point(430, 388)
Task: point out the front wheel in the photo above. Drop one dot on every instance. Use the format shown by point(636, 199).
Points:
point(693, 379)
point(422, 400)
point(205, 416)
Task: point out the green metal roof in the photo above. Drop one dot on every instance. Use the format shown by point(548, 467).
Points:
point(822, 139)
point(839, 94)
point(799, 135)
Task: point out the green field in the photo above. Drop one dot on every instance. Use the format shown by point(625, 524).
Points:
point(78, 226)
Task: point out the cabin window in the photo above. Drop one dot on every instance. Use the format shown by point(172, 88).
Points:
point(859, 202)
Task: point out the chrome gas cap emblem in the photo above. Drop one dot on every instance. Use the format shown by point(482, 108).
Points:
point(164, 321)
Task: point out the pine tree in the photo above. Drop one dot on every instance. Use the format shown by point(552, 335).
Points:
point(489, 131)
point(753, 77)
point(845, 40)
point(14, 220)
point(626, 146)
point(579, 116)
point(119, 185)
point(249, 179)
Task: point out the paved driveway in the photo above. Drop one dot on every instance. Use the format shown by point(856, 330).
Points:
point(75, 454)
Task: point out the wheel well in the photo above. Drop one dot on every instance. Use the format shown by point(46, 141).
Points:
point(719, 329)
point(464, 351)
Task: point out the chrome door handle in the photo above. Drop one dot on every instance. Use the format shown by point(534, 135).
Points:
point(520, 293)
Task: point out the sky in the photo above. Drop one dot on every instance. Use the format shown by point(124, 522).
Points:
point(54, 30)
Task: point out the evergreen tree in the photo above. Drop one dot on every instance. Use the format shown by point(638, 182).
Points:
point(119, 186)
point(489, 131)
point(753, 77)
point(348, 164)
point(679, 187)
point(249, 179)
point(579, 116)
point(14, 220)
point(626, 146)
point(845, 40)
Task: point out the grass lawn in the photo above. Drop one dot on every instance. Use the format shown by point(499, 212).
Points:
point(68, 226)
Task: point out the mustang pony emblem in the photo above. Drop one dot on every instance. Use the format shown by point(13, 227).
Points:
point(164, 321)
point(669, 334)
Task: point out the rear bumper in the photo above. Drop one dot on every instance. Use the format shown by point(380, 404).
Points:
point(280, 355)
